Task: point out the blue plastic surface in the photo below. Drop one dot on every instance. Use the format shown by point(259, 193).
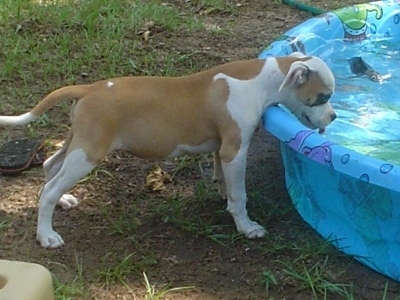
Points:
point(349, 198)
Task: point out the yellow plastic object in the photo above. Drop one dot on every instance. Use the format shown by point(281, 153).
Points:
point(24, 281)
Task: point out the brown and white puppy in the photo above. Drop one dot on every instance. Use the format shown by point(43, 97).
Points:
point(215, 110)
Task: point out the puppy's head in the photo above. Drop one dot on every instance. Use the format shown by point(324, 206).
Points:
point(306, 89)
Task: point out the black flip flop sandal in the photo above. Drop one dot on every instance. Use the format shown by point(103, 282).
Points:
point(19, 154)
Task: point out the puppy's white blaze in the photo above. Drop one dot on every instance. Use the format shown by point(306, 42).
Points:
point(18, 120)
point(206, 147)
point(110, 84)
point(245, 113)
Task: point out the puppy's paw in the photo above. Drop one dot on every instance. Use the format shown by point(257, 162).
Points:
point(255, 231)
point(68, 201)
point(50, 240)
point(251, 229)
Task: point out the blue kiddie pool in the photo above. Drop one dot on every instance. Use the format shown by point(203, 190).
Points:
point(346, 183)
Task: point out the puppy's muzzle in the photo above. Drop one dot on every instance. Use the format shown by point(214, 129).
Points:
point(333, 116)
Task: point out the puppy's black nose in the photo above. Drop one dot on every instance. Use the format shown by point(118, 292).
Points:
point(333, 117)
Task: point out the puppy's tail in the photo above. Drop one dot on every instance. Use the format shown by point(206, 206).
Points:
point(55, 97)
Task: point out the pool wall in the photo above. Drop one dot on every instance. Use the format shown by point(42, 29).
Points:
point(351, 199)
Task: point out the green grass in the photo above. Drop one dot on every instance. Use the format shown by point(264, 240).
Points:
point(268, 279)
point(119, 271)
point(73, 288)
point(154, 293)
point(62, 42)
point(48, 45)
point(317, 277)
point(191, 214)
point(3, 224)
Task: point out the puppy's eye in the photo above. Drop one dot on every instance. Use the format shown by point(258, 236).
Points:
point(322, 99)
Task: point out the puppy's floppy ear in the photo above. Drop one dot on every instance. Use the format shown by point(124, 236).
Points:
point(298, 74)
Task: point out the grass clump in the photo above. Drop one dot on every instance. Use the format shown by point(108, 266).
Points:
point(60, 41)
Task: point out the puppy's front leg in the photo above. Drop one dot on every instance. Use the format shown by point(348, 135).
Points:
point(234, 173)
point(218, 176)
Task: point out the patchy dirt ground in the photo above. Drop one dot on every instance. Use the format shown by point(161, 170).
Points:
point(169, 234)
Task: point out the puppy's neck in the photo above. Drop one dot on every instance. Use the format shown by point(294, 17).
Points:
point(271, 78)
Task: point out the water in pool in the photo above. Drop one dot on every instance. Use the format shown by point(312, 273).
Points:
point(368, 111)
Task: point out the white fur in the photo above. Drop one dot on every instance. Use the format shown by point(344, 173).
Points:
point(75, 167)
point(20, 120)
point(67, 201)
point(247, 114)
point(208, 146)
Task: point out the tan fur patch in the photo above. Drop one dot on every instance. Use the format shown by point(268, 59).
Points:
point(307, 92)
point(227, 127)
point(152, 117)
point(242, 70)
point(230, 145)
point(284, 63)
point(57, 96)
point(312, 87)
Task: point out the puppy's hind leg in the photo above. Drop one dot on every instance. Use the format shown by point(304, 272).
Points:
point(53, 164)
point(51, 167)
point(75, 166)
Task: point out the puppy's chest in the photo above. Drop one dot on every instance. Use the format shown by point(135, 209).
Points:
point(246, 101)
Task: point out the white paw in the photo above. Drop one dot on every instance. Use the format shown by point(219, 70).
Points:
point(251, 229)
point(255, 231)
point(50, 240)
point(68, 201)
